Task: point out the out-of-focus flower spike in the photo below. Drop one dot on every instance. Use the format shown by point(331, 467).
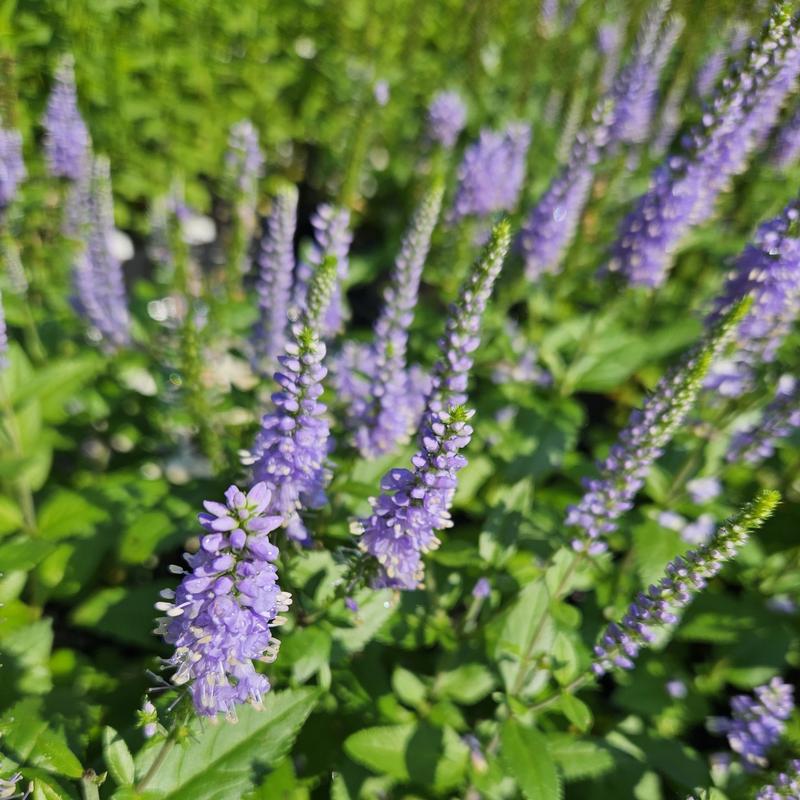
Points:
point(610, 39)
point(684, 190)
point(12, 167)
point(276, 268)
point(684, 577)
point(713, 66)
point(414, 504)
point(99, 287)
point(3, 337)
point(786, 152)
point(221, 618)
point(786, 786)
point(67, 139)
point(244, 160)
point(383, 397)
point(447, 116)
point(780, 419)
point(643, 440)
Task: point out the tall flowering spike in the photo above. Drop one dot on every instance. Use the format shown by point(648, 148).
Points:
point(332, 238)
point(447, 116)
point(684, 577)
point(769, 270)
point(66, 140)
point(610, 36)
point(553, 222)
point(634, 92)
point(386, 405)
point(462, 328)
point(786, 152)
point(274, 286)
point(290, 450)
point(244, 160)
point(671, 117)
point(758, 722)
point(99, 288)
point(415, 504)
point(683, 191)
point(780, 419)
point(12, 167)
point(492, 172)
point(220, 619)
point(786, 786)
point(642, 442)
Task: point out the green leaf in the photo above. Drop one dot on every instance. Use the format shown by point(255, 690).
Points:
point(308, 650)
point(576, 711)
point(467, 684)
point(141, 538)
point(408, 687)
point(28, 737)
point(413, 752)
point(117, 757)
point(23, 553)
point(374, 610)
point(10, 517)
point(26, 660)
point(219, 762)
point(55, 383)
point(65, 514)
point(579, 758)
point(525, 755)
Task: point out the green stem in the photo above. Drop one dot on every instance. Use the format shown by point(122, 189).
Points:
point(161, 756)
point(89, 786)
point(570, 688)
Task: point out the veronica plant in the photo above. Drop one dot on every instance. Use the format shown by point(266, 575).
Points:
point(414, 504)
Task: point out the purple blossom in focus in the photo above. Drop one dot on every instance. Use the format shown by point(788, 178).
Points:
point(447, 116)
point(492, 172)
point(274, 286)
point(414, 504)
point(220, 619)
point(780, 419)
point(684, 577)
point(757, 722)
point(12, 167)
point(98, 284)
point(786, 152)
point(67, 141)
point(786, 786)
point(289, 454)
point(684, 190)
point(384, 398)
point(332, 237)
point(769, 269)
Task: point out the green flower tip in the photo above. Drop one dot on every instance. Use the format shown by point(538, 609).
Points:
point(321, 288)
point(761, 508)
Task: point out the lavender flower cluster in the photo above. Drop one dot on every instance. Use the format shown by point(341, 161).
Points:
point(492, 171)
point(221, 617)
point(684, 190)
point(758, 722)
point(769, 269)
point(447, 116)
point(244, 160)
point(414, 504)
point(642, 442)
point(786, 151)
point(67, 139)
point(12, 167)
point(684, 577)
point(384, 397)
point(290, 451)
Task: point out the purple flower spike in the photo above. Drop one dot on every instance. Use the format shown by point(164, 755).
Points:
point(786, 786)
point(415, 504)
point(610, 37)
point(712, 67)
point(385, 399)
point(684, 190)
point(3, 337)
point(244, 160)
point(99, 287)
point(220, 619)
point(274, 286)
point(758, 722)
point(684, 577)
point(787, 146)
point(492, 171)
point(769, 269)
point(332, 238)
point(290, 451)
point(780, 419)
point(447, 116)
point(642, 442)
point(12, 167)
point(67, 139)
